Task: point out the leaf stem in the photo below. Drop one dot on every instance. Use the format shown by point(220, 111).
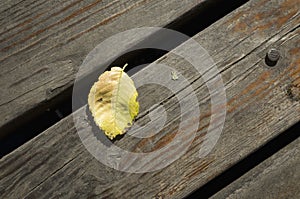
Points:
point(124, 66)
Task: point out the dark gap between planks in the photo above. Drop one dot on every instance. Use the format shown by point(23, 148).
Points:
point(248, 163)
point(47, 114)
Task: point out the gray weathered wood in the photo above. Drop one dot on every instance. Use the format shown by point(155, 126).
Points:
point(276, 177)
point(42, 44)
point(262, 102)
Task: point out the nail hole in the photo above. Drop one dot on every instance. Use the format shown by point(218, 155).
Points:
point(269, 62)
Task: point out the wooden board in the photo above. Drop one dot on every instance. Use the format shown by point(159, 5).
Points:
point(276, 177)
point(42, 44)
point(262, 103)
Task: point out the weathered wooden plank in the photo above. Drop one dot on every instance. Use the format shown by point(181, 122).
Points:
point(42, 44)
point(276, 177)
point(262, 102)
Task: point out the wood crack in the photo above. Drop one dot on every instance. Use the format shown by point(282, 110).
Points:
point(52, 174)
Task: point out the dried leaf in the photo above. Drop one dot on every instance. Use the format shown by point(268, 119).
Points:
point(174, 75)
point(112, 102)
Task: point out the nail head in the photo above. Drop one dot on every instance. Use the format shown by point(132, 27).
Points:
point(272, 57)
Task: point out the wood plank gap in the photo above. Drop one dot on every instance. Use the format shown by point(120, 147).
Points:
point(42, 116)
point(248, 163)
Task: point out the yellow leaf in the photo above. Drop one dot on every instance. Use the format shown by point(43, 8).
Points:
point(112, 102)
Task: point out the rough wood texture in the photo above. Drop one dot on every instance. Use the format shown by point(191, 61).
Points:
point(42, 44)
point(277, 177)
point(262, 102)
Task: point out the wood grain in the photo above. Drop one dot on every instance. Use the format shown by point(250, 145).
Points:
point(261, 105)
point(43, 43)
point(276, 177)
